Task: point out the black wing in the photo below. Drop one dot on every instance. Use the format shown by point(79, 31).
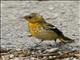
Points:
point(53, 28)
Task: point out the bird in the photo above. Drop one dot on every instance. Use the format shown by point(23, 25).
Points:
point(43, 30)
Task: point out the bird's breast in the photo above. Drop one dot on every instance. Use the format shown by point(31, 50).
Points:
point(35, 28)
point(38, 31)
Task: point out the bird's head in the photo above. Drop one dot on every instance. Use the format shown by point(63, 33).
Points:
point(34, 17)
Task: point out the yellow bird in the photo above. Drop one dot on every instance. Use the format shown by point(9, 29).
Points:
point(40, 29)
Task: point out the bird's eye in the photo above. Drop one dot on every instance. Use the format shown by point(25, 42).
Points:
point(30, 17)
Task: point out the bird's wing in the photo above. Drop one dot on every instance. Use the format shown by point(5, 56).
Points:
point(52, 28)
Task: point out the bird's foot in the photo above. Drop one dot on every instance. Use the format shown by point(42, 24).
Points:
point(57, 45)
point(38, 44)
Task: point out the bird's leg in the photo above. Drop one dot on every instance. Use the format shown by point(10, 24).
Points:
point(37, 45)
point(56, 44)
point(55, 40)
point(41, 41)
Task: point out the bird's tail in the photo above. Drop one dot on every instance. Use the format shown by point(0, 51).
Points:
point(65, 39)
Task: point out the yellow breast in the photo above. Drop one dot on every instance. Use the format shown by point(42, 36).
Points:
point(38, 31)
point(34, 28)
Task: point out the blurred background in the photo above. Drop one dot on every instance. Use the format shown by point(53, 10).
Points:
point(63, 14)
